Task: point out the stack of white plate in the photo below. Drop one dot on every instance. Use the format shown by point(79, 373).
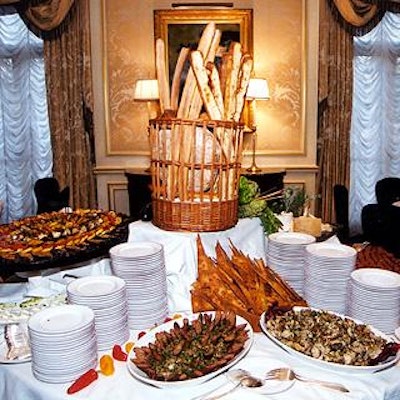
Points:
point(285, 255)
point(327, 270)
point(141, 265)
point(106, 296)
point(63, 343)
point(374, 298)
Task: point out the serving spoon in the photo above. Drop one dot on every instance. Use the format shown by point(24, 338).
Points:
point(242, 379)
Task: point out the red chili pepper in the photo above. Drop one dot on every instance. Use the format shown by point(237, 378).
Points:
point(84, 380)
point(142, 333)
point(118, 353)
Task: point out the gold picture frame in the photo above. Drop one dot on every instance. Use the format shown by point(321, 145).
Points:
point(180, 28)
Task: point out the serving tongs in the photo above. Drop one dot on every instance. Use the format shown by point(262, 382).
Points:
point(17, 341)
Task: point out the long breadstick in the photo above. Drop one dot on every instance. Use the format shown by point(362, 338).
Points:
point(163, 85)
point(231, 81)
point(200, 73)
point(176, 81)
point(245, 72)
point(215, 86)
point(190, 89)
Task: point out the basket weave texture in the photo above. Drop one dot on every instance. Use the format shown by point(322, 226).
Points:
point(195, 169)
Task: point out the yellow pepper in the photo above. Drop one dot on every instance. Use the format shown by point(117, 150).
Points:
point(107, 365)
point(128, 346)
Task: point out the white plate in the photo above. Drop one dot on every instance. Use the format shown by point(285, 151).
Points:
point(61, 319)
point(376, 277)
point(331, 250)
point(292, 238)
point(95, 286)
point(257, 367)
point(397, 333)
point(333, 366)
point(150, 337)
point(20, 311)
point(136, 250)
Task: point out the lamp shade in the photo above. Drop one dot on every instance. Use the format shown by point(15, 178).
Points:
point(146, 90)
point(258, 89)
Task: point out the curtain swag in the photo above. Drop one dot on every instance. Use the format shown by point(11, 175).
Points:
point(359, 13)
point(44, 15)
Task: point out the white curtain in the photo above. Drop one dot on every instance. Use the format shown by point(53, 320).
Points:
point(25, 146)
point(375, 126)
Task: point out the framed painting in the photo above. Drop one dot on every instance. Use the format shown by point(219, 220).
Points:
point(183, 28)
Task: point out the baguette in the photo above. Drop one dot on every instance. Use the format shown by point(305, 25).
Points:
point(190, 92)
point(197, 63)
point(215, 86)
point(163, 85)
point(231, 80)
point(176, 81)
point(245, 73)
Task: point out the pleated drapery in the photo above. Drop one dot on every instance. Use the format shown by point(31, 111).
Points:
point(25, 145)
point(340, 21)
point(375, 130)
point(64, 26)
point(69, 83)
point(334, 109)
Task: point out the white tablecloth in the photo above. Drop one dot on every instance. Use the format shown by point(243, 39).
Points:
point(18, 383)
point(180, 249)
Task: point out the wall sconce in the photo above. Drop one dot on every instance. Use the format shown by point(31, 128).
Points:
point(147, 90)
point(257, 90)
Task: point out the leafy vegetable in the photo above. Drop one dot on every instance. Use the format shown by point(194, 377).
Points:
point(248, 190)
point(250, 206)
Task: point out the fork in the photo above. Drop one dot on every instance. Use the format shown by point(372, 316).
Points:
point(287, 374)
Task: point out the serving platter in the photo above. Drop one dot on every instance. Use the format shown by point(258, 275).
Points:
point(151, 336)
point(353, 369)
point(21, 311)
point(62, 251)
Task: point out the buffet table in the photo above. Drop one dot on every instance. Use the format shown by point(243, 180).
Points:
point(17, 381)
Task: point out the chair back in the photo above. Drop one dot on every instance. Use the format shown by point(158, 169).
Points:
point(341, 204)
point(48, 195)
point(387, 191)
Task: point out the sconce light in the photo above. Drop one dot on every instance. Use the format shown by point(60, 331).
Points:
point(147, 90)
point(257, 90)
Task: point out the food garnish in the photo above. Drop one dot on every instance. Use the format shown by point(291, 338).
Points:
point(194, 349)
point(118, 354)
point(128, 346)
point(326, 336)
point(106, 365)
point(83, 381)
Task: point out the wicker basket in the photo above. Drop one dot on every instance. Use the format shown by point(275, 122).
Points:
point(195, 168)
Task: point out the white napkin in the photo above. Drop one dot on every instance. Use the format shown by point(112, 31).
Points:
point(39, 286)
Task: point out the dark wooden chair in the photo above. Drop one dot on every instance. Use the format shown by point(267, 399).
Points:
point(341, 204)
point(49, 197)
point(381, 220)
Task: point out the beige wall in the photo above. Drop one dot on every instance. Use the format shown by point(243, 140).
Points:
point(285, 52)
